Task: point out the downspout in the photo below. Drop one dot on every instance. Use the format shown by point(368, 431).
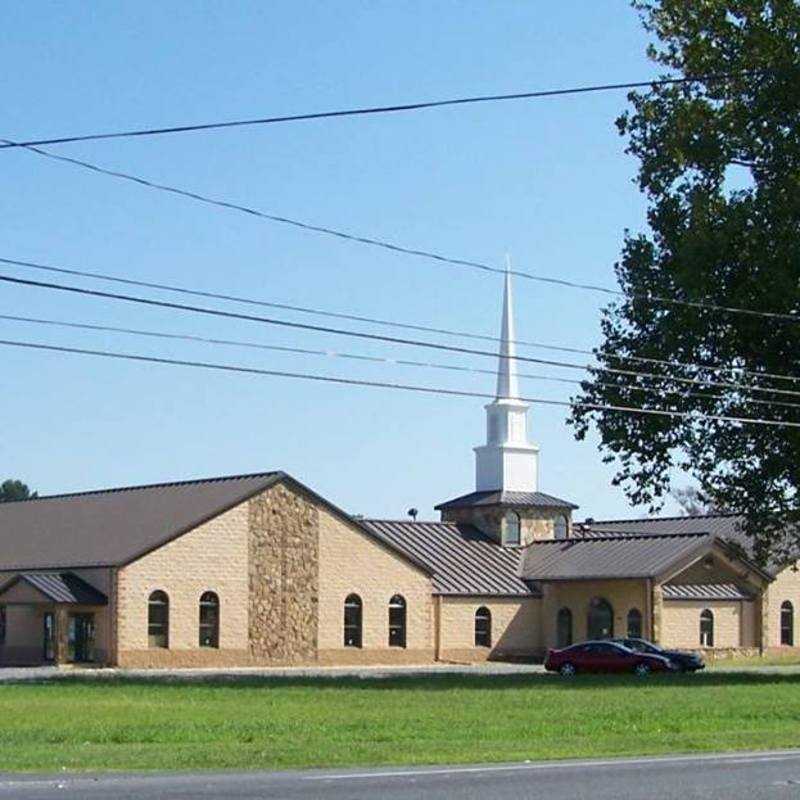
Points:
point(648, 608)
point(437, 628)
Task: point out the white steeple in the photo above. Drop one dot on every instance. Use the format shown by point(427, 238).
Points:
point(508, 461)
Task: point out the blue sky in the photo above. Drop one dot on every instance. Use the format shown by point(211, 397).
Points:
point(546, 180)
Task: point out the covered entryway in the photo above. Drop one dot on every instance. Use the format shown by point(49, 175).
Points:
point(50, 618)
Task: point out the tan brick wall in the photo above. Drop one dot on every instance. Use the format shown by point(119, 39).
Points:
point(623, 595)
point(536, 523)
point(212, 557)
point(352, 562)
point(516, 628)
point(785, 587)
point(734, 623)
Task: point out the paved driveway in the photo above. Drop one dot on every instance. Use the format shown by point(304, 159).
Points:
point(377, 672)
point(15, 675)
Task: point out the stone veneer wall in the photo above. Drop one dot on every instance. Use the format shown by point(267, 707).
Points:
point(283, 576)
point(537, 523)
point(350, 561)
point(516, 628)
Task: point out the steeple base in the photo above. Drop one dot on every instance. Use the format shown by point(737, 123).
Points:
point(508, 468)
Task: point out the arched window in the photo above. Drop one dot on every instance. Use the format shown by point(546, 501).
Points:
point(209, 620)
point(787, 623)
point(634, 624)
point(158, 620)
point(512, 528)
point(560, 527)
point(483, 627)
point(564, 628)
point(706, 629)
point(397, 621)
point(600, 620)
point(352, 621)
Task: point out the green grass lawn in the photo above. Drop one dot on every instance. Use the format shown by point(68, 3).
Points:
point(776, 660)
point(249, 724)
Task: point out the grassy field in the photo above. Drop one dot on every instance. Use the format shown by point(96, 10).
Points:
point(777, 660)
point(124, 724)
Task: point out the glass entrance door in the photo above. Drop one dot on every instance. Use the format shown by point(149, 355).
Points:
point(49, 636)
point(80, 639)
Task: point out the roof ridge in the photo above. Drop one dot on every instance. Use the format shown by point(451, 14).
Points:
point(623, 537)
point(407, 521)
point(137, 487)
point(659, 519)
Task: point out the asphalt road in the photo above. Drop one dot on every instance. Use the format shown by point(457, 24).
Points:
point(754, 776)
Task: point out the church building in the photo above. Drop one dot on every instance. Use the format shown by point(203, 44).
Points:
point(259, 569)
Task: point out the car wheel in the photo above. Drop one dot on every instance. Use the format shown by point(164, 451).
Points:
point(641, 670)
point(567, 670)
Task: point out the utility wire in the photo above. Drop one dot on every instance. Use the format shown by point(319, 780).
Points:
point(397, 248)
point(359, 357)
point(371, 110)
point(384, 385)
point(378, 337)
point(390, 323)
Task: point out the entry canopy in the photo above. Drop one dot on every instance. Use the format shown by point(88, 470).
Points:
point(51, 587)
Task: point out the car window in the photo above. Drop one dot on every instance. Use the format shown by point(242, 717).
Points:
point(610, 649)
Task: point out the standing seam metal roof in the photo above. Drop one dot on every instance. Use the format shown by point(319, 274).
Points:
point(704, 591)
point(514, 499)
point(463, 560)
point(112, 527)
point(62, 587)
point(610, 557)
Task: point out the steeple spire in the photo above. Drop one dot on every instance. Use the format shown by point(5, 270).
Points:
point(507, 383)
point(508, 462)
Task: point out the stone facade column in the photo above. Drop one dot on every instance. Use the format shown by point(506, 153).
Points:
point(657, 613)
point(762, 618)
point(62, 635)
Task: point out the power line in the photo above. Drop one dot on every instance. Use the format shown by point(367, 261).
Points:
point(356, 356)
point(372, 110)
point(376, 321)
point(385, 385)
point(397, 248)
point(378, 337)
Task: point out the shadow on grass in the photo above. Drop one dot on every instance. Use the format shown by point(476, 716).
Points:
point(429, 683)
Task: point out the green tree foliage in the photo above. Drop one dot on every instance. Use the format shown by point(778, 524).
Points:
point(719, 164)
point(14, 490)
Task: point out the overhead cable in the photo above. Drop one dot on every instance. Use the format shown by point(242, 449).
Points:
point(376, 337)
point(411, 251)
point(688, 415)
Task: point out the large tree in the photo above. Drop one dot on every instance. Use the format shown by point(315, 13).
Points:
point(719, 164)
point(14, 490)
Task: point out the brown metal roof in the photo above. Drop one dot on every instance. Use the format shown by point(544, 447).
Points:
point(512, 499)
point(704, 591)
point(61, 587)
point(610, 557)
point(114, 526)
point(463, 560)
point(727, 527)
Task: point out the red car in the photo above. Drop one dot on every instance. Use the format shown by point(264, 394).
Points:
point(604, 656)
